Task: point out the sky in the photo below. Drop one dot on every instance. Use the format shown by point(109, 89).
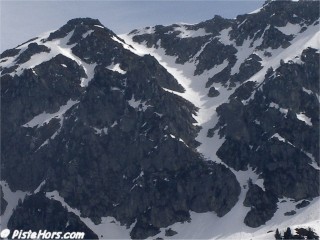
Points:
point(23, 20)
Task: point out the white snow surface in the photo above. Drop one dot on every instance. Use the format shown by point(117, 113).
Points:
point(87, 33)
point(56, 46)
point(282, 110)
point(138, 104)
point(302, 117)
point(40, 186)
point(12, 199)
point(45, 118)
point(210, 226)
point(100, 131)
point(116, 68)
point(99, 26)
point(290, 29)
point(307, 91)
point(186, 33)
point(276, 135)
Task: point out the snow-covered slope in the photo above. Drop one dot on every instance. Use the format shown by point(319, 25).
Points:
point(207, 225)
point(88, 116)
point(204, 131)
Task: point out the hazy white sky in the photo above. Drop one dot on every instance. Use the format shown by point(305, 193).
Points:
point(22, 20)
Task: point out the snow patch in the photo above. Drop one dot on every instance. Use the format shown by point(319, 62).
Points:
point(276, 106)
point(87, 33)
point(39, 187)
point(290, 29)
point(313, 163)
point(12, 199)
point(45, 118)
point(276, 135)
point(302, 117)
point(115, 123)
point(100, 131)
point(307, 91)
point(186, 33)
point(225, 36)
point(138, 104)
point(116, 68)
point(124, 45)
point(89, 70)
point(99, 26)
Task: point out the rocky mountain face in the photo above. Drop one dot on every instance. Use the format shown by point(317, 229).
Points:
point(270, 121)
point(91, 128)
point(96, 123)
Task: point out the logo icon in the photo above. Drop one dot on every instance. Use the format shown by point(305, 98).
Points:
point(4, 233)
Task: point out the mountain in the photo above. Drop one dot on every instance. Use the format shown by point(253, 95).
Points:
point(180, 130)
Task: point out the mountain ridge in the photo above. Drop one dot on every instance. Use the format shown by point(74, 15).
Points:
point(188, 119)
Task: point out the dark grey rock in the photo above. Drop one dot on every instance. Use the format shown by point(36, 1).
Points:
point(213, 54)
point(213, 92)
point(108, 157)
point(33, 48)
point(3, 202)
point(303, 204)
point(32, 214)
point(248, 129)
point(263, 206)
point(10, 53)
point(291, 213)
point(170, 232)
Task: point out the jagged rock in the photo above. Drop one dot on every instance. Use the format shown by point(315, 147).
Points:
point(292, 212)
point(251, 129)
point(10, 53)
point(263, 206)
point(247, 69)
point(303, 204)
point(244, 91)
point(213, 92)
point(213, 54)
point(170, 232)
